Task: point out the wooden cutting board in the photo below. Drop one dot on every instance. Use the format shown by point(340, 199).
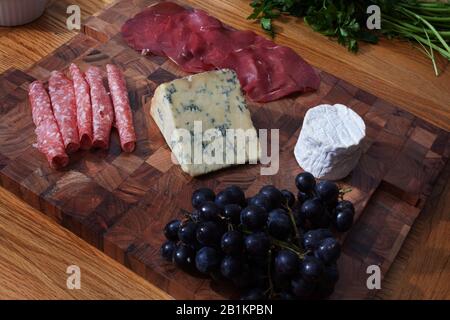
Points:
point(120, 203)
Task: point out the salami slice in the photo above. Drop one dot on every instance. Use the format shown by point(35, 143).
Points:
point(122, 109)
point(102, 110)
point(62, 97)
point(49, 140)
point(84, 107)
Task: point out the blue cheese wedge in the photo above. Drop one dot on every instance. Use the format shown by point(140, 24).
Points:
point(330, 142)
point(205, 120)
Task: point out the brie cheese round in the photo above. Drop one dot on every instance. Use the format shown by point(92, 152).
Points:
point(330, 141)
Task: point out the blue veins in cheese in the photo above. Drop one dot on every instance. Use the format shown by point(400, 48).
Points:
point(205, 121)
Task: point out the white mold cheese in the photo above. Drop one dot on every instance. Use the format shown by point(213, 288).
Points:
point(330, 141)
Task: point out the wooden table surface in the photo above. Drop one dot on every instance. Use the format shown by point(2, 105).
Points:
point(35, 252)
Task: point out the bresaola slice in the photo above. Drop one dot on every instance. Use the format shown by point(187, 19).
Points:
point(102, 110)
point(143, 30)
point(198, 42)
point(84, 107)
point(268, 73)
point(49, 140)
point(122, 109)
point(62, 97)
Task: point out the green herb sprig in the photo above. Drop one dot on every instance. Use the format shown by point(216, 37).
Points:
point(425, 23)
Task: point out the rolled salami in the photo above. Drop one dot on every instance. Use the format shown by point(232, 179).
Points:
point(84, 107)
point(102, 110)
point(122, 109)
point(62, 97)
point(49, 140)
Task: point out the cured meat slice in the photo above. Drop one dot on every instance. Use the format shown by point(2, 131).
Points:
point(142, 32)
point(198, 42)
point(268, 73)
point(223, 42)
point(84, 107)
point(122, 109)
point(102, 110)
point(180, 43)
point(62, 97)
point(49, 140)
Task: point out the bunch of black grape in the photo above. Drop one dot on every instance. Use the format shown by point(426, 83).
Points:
point(271, 246)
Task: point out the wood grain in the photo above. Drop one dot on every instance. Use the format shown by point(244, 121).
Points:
point(422, 269)
point(423, 283)
point(35, 253)
point(22, 46)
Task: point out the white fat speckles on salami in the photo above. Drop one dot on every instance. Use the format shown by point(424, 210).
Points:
point(122, 109)
point(84, 107)
point(102, 110)
point(49, 140)
point(62, 97)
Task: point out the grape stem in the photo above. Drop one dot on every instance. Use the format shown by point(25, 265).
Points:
point(270, 289)
point(344, 191)
point(291, 216)
point(282, 244)
point(287, 246)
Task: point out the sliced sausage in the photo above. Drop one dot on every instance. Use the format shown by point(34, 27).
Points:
point(49, 140)
point(102, 110)
point(84, 107)
point(122, 109)
point(63, 102)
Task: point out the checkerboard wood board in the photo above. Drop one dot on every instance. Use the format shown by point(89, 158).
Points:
point(120, 202)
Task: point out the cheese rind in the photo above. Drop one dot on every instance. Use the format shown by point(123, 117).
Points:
point(330, 141)
point(205, 106)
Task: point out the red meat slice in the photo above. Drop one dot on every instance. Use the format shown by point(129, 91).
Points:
point(102, 110)
point(142, 31)
point(198, 42)
point(268, 73)
point(49, 140)
point(84, 107)
point(62, 97)
point(122, 109)
point(182, 44)
point(222, 42)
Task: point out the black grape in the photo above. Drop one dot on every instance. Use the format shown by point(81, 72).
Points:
point(328, 250)
point(201, 196)
point(286, 263)
point(207, 260)
point(184, 256)
point(328, 192)
point(209, 211)
point(305, 182)
point(232, 243)
point(186, 233)
point(288, 198)
point(279, 224)
point(233, 213)
point(167, 250)
point(273, 194)
point(209, 233)
point(231, 266)
point(171, 230)
point(254, 217)
point(257, 244)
